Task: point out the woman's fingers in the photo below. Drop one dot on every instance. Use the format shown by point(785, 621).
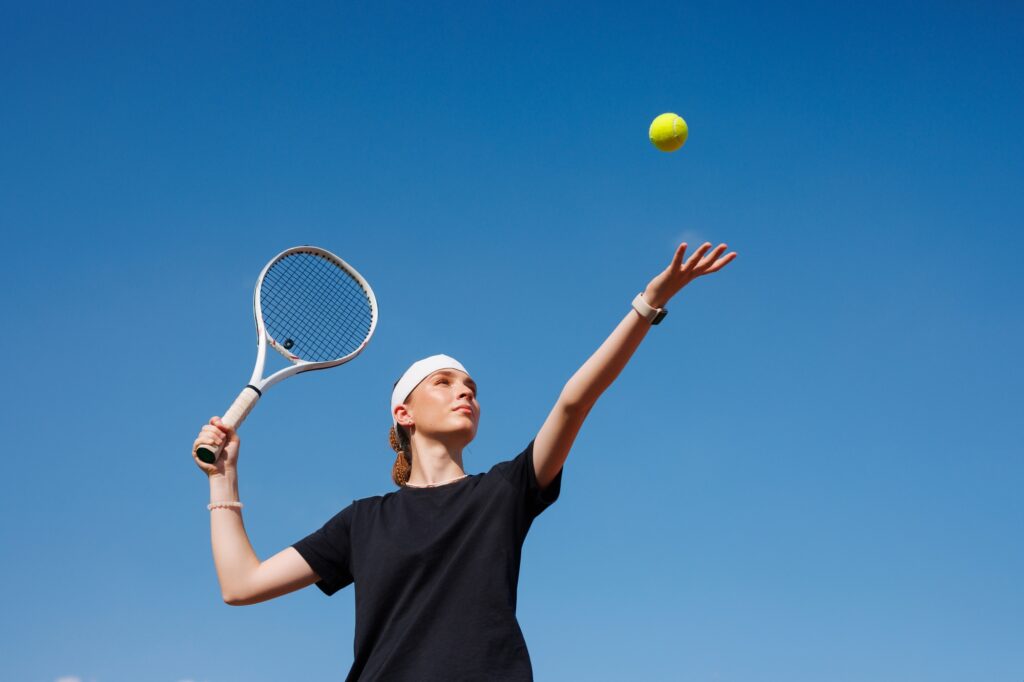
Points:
point(700, 262)
point(213, 438)
point(694, 259)
point(721, 263)
point(224, 428)
point(677, 259)
point(209, 435)
point(710, 258)
point(695, 256)
point(213, 430)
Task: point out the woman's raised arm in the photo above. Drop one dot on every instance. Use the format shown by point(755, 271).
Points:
point(556, 436)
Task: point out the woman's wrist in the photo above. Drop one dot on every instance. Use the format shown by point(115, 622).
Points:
point(654, 299)
point(224, 487)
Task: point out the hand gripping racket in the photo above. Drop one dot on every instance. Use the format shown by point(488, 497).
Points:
point(315, 310)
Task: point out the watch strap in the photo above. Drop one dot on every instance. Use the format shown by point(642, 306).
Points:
point(649, 313)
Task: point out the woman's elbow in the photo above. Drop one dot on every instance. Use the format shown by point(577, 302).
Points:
point(232, 600)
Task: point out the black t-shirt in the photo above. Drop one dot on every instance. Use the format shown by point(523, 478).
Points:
point(435, 573)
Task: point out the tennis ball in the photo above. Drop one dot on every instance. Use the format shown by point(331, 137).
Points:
point(668, 132)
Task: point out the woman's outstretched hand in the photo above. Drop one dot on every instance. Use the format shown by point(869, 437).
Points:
point(678, 274)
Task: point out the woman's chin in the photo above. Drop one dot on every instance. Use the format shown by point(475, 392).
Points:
point(457, 432)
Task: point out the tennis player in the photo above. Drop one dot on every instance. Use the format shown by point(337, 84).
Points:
point(435, 564)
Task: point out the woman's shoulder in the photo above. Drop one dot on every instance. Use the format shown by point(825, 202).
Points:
point(511, 466)
point(372, 501)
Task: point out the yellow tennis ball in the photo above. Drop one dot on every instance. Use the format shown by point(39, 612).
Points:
point(668, 132)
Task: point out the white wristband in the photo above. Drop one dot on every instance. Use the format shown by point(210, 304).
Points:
point(225, 503)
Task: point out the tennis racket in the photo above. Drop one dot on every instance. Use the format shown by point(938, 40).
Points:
point(315, 310)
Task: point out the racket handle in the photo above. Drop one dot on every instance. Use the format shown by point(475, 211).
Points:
point(233, 418)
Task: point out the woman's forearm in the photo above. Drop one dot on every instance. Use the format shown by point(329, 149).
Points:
point(607, 362)
point(233, 554)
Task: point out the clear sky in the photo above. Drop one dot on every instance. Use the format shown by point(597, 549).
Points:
point(811, 471)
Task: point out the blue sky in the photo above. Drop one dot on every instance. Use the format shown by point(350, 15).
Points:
point(811, 471)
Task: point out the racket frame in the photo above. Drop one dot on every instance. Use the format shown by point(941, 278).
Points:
point(264, 339)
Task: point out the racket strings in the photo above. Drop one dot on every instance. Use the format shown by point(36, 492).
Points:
point(314, 308)
point(317, 313)
point(343, 303)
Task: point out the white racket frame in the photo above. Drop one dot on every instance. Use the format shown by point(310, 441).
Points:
point(247, 399)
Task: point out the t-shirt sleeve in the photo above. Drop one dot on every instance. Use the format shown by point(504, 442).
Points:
point(328, 551)
point(519, 471)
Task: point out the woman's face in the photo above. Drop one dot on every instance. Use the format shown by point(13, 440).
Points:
point(444, 403)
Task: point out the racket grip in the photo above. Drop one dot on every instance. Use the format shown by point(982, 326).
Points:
point(234, 417)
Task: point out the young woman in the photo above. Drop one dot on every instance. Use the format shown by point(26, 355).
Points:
point(436, 563)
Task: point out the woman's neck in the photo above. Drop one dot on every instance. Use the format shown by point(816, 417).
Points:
point(434, 461)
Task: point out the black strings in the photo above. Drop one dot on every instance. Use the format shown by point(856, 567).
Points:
point(314, 308)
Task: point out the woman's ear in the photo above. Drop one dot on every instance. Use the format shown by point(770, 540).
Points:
point(403, 416)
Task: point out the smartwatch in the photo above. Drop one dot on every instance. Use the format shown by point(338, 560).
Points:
point(652, 315)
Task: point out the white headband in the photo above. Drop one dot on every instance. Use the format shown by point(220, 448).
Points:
point(419, 371)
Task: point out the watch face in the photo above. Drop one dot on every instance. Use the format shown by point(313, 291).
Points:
point(657, 318)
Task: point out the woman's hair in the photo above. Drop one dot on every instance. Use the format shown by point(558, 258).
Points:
point(401, 444)
point(402, 467)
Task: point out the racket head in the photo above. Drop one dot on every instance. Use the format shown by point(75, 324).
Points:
point(314, 309)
